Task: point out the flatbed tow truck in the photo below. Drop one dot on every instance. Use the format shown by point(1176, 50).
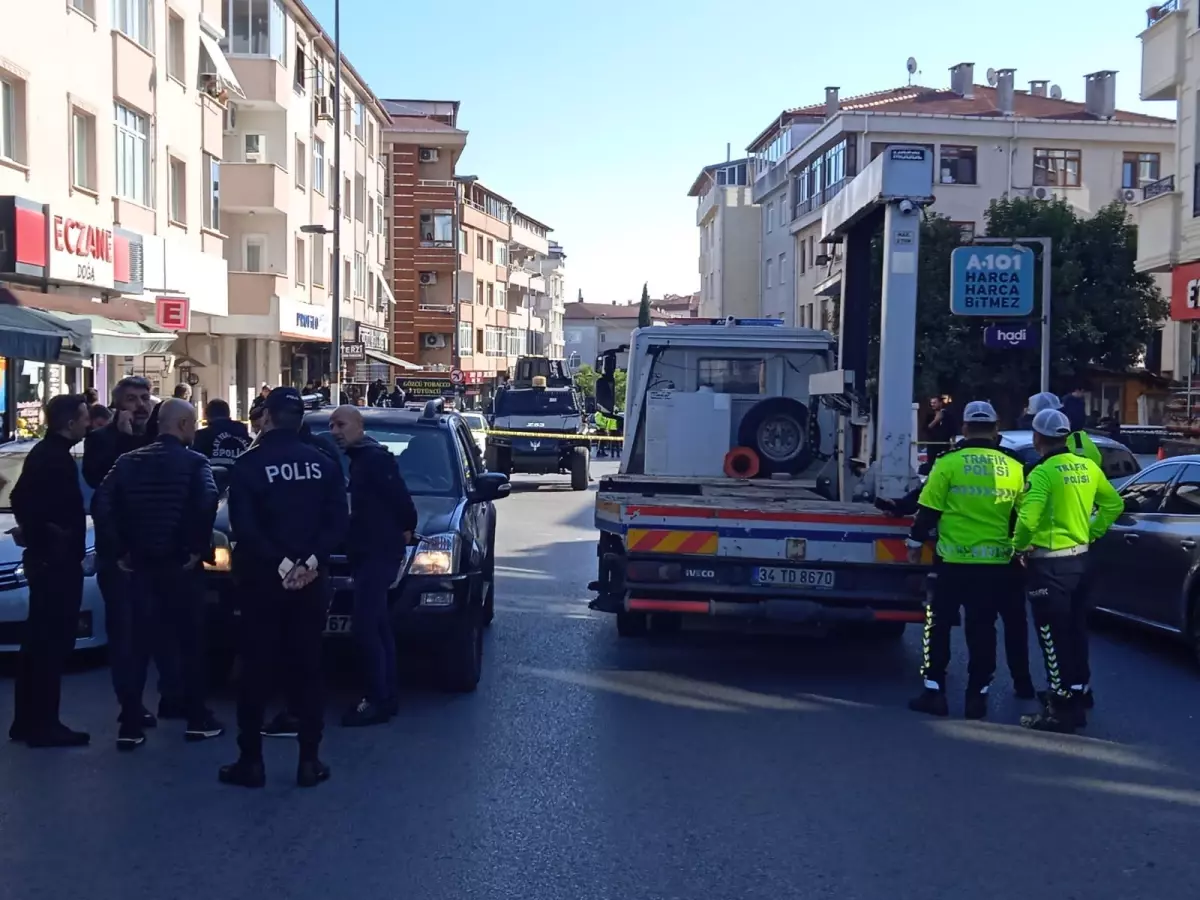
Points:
point(734, 521)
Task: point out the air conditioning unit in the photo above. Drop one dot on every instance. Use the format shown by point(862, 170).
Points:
point(1042, 193)
point(429, 278)
point(427, 154)
point(435, 342)
point(324, 108)
point(1127, 195)
point(230, 117)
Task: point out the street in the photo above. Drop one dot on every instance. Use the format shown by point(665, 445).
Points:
point(694, 766)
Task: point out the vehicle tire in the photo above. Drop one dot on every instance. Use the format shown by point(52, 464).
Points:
point(460, 658)
point(580, 459)
point(777, 430)
point(489, 584)
point(632, 624)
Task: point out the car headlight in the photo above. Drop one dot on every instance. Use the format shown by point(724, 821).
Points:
point(436, 555)
point(222, 559)
point(89, 563)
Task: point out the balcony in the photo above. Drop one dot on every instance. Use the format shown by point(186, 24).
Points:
point(529, 239)
point(770, 180)
point(254, 188)
point(266, 84)
point(518, 278)
point(1158, 224)
point(251, 293)
point(1163, 51)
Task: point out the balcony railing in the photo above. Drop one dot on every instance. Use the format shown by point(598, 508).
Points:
point(435, 182)
point(1158, 188)
point(821, 197)
point(1160, 12)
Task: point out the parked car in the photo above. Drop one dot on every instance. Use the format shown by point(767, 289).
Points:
point(1118, 461)
point(446, 596)
point(90, 632)
point(479, 428)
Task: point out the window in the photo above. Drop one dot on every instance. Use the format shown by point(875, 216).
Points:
point(379, 213)
point(770, 272)
point(331, 273)
point(176, 48)
point(463, 240)
point(502, 254)
point(370, 213)
point(254, 253)
point(254, 148)
point(300, 69)
point(966, 232)
point(346, 108)
point(1056, 168)
point(212, 193)
point(87, 7)
point(177, 191)
point(133, 155)
point(501, 296)
point(370, 140)
point(1145, 493)
point(782, 268)
point(301, 262)
point(1118, 462)
point(360, 198)
point(83, 150)
point(491, 294)
point(802, 258)
point(318, 260)
point(1139, 169)
point(255, 28)
point(479, 246)
point(12, 118)
point(342, 292)
point(770, 217)
point(479, 292)
point(332, 184)
point(359, 121)
point(318, 165)
point(490, 250)
point(1185, 498)
point(134, 19)
point(301, 164)
point(437, 228)
point(464, 339)
point(360, 275)
point(958, 165)
point(347, 198)
point(732, 376)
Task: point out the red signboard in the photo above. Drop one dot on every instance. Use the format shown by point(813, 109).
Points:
point(173, 313)
point(1185, 292)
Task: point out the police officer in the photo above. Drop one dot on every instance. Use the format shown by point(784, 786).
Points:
point(969, 499)
point(1053, 530)
point(287, 512)
point(223, 438)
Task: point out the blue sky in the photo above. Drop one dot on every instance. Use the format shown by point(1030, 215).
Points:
point(596, 117)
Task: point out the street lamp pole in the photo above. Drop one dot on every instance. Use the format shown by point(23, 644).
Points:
point(335, 350)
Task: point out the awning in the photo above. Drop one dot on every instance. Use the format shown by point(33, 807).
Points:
point(379, 356)
point(387, 291)
point(33, 335)
point(109, 337)
point(221, 66)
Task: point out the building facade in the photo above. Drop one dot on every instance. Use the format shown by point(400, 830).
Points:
point(730, 233)
point(110, 146)
point(277, 192)
point(552, 304)
point(591, 328)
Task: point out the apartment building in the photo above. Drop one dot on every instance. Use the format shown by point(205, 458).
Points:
point(1168, 211)
point(277, 196)
point(528, 291)
point(110, 143)
point(552, 304)
point(592, 328)
point(990, 141)
point(730, 231)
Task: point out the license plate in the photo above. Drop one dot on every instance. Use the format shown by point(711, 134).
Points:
point(337, 625)
point(772, 576)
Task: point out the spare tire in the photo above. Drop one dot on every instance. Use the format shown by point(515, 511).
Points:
point(777, 430)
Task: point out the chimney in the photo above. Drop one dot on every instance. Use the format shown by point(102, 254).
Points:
point(1100, 94)
point(962, 80)
point(580, 300)
point(1038, 88)
point(1004, 90)
point(832, 104)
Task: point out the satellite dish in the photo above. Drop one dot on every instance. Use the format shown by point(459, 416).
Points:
point(991, 77)
point(1055, 92)
point(912, 65)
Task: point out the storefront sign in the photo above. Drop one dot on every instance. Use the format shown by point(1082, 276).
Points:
point(1185, 292)
point(425, 388)
point(353, 350)
point(304, 321)
point(80, 252)
point(477, 377)
point(172, 313)
point(372, 338)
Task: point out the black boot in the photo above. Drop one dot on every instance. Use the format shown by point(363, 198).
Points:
point(311, 772)
point(247, 772)
point(930, 701)
point(1084, 702)
point(1058, 716)
point(976, 705)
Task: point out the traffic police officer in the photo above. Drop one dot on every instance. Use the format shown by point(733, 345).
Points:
point(969, 499)
point(1054, 527)
point(287, 513)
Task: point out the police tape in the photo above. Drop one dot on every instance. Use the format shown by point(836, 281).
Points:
point(565, 436)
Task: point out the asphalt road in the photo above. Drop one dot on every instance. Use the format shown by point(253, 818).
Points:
point(697, 767)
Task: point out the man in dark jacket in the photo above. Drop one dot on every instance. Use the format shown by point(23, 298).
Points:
point(287, 514)
point(1074, 408)
point(397, 397)
point(382, 521)
point(155, 510)
point(132, 406)
point(48, 505)
point(223, 437)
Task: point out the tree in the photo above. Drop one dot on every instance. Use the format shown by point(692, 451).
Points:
point(585, 380)
point(644, 308)
point(619, 389)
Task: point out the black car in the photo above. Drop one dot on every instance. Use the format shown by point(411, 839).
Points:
point(447, 592)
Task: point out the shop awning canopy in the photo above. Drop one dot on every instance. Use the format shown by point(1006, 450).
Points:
point(34, 335)
point(110, 337)
point(220, 65)
point(380, 356)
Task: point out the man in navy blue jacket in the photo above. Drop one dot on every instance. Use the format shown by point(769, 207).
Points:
point(382, 521)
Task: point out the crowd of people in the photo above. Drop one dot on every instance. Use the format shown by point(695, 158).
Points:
point(150, 467)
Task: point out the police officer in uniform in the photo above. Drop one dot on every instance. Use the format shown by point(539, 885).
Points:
point(969, 499)
point(1054, 527)
point(287, 512)
point(223, 437)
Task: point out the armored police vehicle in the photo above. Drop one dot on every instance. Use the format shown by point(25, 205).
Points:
point(538, 424)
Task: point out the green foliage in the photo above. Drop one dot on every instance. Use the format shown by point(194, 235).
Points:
point(619, 379)
point(644, 320)
point(585, 381)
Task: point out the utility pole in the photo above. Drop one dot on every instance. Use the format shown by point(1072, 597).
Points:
point(335, 350)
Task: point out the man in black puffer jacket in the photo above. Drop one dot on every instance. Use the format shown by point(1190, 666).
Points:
point(155, 512)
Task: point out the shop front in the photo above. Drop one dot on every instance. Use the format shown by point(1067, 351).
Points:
point(305, 335)
point(366, 358)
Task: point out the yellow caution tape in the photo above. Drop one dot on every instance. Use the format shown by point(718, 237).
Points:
point(565, 436)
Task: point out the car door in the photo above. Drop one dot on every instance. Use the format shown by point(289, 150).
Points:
point(475, 515)
point(1171, 541)
point(1120, 576)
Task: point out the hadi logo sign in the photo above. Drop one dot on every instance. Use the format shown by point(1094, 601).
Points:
point(1017, 334)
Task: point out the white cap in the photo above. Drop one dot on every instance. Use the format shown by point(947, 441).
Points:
point(980, 411)
point(1044, 400)
point(1051, 423)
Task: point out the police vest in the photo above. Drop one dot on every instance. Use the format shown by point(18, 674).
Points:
point(227, 445)
point(974, 487)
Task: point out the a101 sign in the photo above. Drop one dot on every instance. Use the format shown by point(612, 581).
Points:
point(991, 281)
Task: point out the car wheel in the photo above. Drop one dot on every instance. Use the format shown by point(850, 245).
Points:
point(580, 458)
point(777, 430)
point(460, 661)
point(632, 624)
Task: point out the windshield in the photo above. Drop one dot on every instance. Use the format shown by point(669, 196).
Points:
point(424, 456)
point(536, 403)
point(474, 421)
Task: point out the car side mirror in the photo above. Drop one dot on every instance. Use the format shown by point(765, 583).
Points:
point(490, 486)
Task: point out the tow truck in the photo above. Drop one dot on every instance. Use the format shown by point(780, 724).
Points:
point(744, 441)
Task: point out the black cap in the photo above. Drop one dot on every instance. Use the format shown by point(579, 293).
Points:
point(284, 399)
